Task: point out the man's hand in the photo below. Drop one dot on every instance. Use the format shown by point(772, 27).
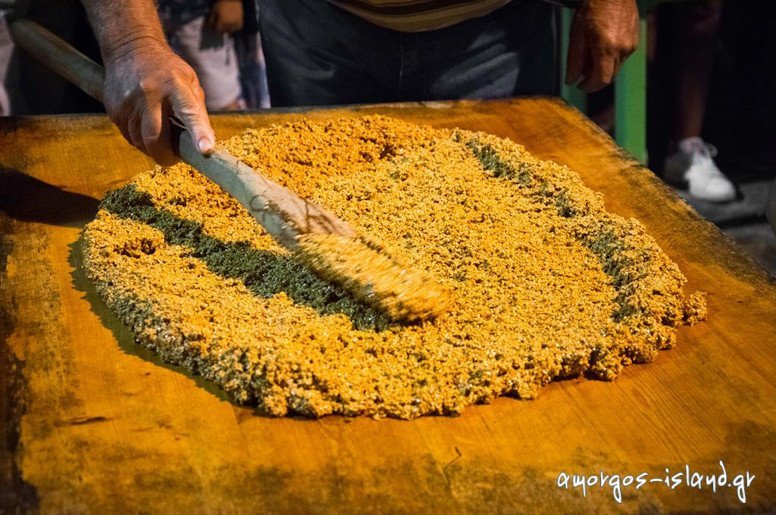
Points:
point(143, 86)
point(226, 16)
point(603, 34)
point(145, 82)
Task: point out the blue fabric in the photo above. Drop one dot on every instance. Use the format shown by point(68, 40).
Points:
point(319, 54)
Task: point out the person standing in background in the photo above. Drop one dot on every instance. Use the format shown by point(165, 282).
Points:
point(200, 32)
point(321, 52)
point(253, 74)
point(694, 27)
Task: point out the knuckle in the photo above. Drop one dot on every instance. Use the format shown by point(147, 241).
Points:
point(149, 89)
point(146, 84)
point(184, 72)
point(619, 47)
point(610, 41)
point(181, 81)
point(151, 139)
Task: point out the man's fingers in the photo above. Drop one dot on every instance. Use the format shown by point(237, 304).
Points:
point(601, 74)
point(188, 105)
point(134, 130)
point(155, 130)
point(576, 55)
point(141, 92)
point(123, 124)
point(616, 64)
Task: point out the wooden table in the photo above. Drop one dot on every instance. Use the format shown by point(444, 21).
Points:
point(94, 422)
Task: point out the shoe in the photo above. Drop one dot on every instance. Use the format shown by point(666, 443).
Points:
point(693, 164)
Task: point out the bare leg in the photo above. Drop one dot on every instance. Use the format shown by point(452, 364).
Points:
point(695, 26)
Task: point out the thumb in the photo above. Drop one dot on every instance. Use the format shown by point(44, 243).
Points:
point(188, 104)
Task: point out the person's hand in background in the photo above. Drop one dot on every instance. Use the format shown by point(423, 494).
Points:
point(226, 16)
point(603, 34)
point(145, 81)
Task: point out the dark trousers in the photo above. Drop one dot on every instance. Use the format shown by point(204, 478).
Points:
point(319, 54)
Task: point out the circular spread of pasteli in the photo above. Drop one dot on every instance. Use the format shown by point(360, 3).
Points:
point(546, 284)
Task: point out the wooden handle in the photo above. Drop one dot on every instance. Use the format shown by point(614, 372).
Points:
point(60, 57)
point(281, 212)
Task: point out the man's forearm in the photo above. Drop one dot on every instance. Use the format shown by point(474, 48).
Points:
point(122, 26)
point(145, 81)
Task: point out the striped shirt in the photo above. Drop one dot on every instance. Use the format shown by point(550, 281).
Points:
point(423, 15)
point(418, 15)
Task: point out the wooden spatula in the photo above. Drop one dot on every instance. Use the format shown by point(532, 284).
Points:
point(328, 245)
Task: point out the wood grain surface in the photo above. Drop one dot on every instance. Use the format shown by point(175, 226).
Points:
point(93, 422)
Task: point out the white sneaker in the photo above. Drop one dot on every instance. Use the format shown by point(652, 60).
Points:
point(693, 164)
